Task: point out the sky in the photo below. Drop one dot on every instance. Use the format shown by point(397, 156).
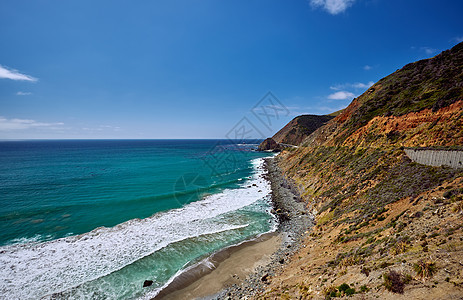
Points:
point(201, 69)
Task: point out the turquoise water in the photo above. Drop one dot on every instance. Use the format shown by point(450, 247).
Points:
point(94, 219)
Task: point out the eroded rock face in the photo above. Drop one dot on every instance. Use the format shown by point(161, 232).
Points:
point(299, 128)
point(269, 145)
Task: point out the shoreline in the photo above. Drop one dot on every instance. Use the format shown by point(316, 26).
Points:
point(246, 268)
point(225, 267)
point(294, 220)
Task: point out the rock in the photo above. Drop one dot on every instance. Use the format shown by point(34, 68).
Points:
point(418, 214)
point(147, 283)
point(265, 277)
point(269, 145)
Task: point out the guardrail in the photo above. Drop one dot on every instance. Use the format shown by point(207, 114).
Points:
point(436, 158)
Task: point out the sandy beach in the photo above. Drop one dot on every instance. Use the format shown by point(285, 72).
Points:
point(238, 262)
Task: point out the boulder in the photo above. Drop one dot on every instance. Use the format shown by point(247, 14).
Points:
point(147, 283)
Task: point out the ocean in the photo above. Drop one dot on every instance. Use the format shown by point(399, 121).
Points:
point(84, 219)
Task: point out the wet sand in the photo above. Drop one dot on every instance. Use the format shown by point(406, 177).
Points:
point(229, 266)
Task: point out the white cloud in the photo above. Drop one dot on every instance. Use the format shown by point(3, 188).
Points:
point(23, 93)
point(458, 39)
point(357, 85)
point(20, 124)
point(428, 50)
point(334, 7)
point(367, 67)
point(102, 128)
point(15, 75)
point(341, 95)
point(360, 85)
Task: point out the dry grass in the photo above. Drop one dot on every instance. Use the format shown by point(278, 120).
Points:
point(425, 269)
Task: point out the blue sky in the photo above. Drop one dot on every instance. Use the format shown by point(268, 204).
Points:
point(197, 69)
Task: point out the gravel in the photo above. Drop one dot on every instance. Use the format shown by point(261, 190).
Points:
point(294, 220)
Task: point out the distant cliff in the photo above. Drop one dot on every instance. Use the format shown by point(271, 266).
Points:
point(269, 145)
point(299, 128)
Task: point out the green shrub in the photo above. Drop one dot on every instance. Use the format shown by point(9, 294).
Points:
point(343, 287)
point(349, 291)
point(364, 289)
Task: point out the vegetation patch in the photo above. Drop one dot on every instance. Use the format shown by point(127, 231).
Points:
point(394, 282)
point(425, 269)
point(343, 290)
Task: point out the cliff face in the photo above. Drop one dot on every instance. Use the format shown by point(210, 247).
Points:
point(377, 211)
point(299, 128)
point(269, 145)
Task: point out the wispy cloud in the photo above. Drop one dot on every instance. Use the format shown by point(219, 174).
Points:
point(428, 50)
point(333, 7)
point(317, 110)
point(357, 85)
point(23, 93)
point(13, 74)
point(367, 67)
point(21, 124)
point(102, 128)
point(458, 39)
point(341, 95)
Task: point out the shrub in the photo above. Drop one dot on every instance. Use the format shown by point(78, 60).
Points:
point(349, 261)
point(364, 289)
point(330, 292)
point(424, 269)
point(349, 292)
point(385, 265)
point(399, 248)
point(365, 271)
point(448, 194)
point(393, 282)
point(343, 287)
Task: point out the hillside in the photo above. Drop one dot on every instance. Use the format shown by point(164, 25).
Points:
point(386, 227)
point(299, 128)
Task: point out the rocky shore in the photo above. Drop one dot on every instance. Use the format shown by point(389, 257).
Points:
point(294, 220)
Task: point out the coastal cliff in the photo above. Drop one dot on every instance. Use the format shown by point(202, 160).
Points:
point(299, 128)
point(294, 132)
point(385, 226)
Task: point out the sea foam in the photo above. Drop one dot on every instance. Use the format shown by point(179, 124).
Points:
point(35, 270)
